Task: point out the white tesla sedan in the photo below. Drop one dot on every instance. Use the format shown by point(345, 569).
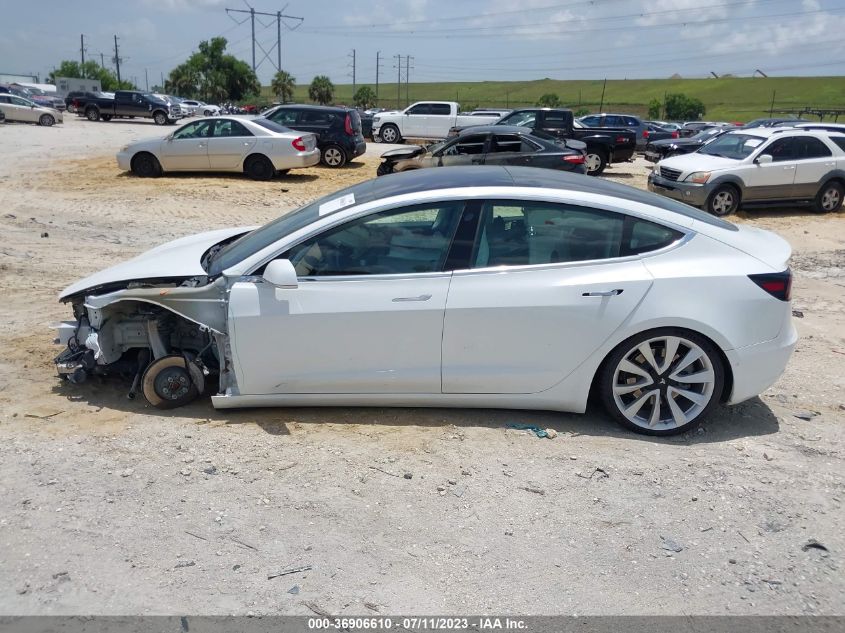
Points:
point(462, 286)
point(257, 147)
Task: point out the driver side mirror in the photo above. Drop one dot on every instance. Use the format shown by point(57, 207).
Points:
point(764, 159)
point(281, 273)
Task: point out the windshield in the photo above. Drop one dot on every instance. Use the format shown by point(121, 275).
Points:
point(271, 232)
point(705, 134)
point(735, 146)
point(525, 119)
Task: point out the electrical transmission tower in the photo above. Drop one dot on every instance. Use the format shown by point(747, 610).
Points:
point(408, 68)
point(378, 68)
point(279, 17)
point(352, 55)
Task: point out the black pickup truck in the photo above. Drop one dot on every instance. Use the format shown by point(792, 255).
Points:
point(604, 145)
point(130, 103)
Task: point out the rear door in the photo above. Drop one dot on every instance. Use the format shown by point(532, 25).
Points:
point(509, 149)
point(546, 287)
point(814, 160)
point(317, 121)
point(439, 120)
point(230, 142)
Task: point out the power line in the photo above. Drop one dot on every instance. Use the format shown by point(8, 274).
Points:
point(278, 15)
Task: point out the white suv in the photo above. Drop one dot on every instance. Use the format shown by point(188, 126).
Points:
point(758, 166)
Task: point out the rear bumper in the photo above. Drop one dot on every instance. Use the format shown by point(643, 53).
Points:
point(298, 160)
point(688, 192)
point(623, 154)
point(757, 367)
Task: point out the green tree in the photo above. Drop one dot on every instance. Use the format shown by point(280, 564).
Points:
point(321, 90)
point(364, 97)
point(91, 70)
point(581, 112)
point(680, 107)
point(654, 108)
point(549, 100)
point(282, 85)
point(212, 75)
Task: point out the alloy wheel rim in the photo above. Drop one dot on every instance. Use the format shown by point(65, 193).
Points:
point(593, 162)
point(333, 156)
point(663, 383)
point(723, 202)
point(830, 199)
point(388, 135)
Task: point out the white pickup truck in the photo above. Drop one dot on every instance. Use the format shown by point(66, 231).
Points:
point(424, 119)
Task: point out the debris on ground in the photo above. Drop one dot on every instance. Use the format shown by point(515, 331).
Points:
point(670, 544)
point(533, 488)
point(294, 591)
point(814, 544)
point(805, 415)
point(597, 472)
point(551, 434)
point(798, 314)
point(287, 572)
point(536, 430)
point(184, 563)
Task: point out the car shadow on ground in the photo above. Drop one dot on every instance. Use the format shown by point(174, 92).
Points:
point(757, 213)
point(223, 175)
point(748, 419)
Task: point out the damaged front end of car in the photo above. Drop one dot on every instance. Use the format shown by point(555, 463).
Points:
point(167, 332)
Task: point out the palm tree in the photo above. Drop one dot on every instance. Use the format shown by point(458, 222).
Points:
point(282, 85)
point(321, 90)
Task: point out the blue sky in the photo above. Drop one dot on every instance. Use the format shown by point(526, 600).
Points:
point(448, 41)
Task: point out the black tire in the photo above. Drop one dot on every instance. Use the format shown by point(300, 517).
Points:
point(723, 201)
point(829, 198)
point(92, 114)
point(384, 168)
point(283, 172)
point(259, 167)
point(167, 383)
point(612, 377)
point(390, 134)
point(106, 117)
point(145, 165)
point(597, 159)
point(333, 156)
point(47, 120)
point(160, 118)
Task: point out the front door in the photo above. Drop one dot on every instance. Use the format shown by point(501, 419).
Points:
point(509, 149)
point(516, 322)
point(187, 148)
point(229, 144)
point(464, 150)
point(415, 122)
point(18, 109)
point(774, 180)
point(367, 316)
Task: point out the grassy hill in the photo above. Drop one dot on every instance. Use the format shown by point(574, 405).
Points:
point(728, 98)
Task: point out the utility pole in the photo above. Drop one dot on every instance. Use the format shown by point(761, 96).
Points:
point(378, 67)
point(102, 61)
point(601, 105)
point(772, 108)
point(117, 60)
point(278, 16)
point(147, 80)
point(408, 59)
point(398, 81)
point(82, 53)
point(353, 70)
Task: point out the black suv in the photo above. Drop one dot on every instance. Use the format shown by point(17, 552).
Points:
point(338, 130)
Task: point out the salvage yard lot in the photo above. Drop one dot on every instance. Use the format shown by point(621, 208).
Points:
point(108, 506)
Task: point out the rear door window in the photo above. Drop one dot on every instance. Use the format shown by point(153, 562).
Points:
point(317, 117)
point(227, 127)
point(285, 116)
point(441, 109)
point(807, 147)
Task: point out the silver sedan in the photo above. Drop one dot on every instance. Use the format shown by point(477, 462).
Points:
point(257, 147)
point(23, 110)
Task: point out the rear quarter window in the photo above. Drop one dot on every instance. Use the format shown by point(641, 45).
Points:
point(839, 141)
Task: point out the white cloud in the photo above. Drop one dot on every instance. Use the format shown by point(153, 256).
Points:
point(185, 5)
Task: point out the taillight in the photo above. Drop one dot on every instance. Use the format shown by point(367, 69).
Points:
point(347, 125)
point(675, 134)
point(645, 134)
point(298, 144)
point(621, 140)
point(779, 285)
point(575, 159)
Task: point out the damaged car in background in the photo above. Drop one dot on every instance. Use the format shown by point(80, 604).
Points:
point(405, 291)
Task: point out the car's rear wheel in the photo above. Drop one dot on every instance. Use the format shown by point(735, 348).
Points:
point(723, 201)
point(663, 381)
point(46, 120)
point(106, 117)
point(160, 118)
point(92, 114)
point(390, 134)
point(145, 165)
point(167, 383)
point(596, 161)
point(259, 168)
point(333, 156)
point(829, 198)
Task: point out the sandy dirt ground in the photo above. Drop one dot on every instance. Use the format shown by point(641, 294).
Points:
point(108, 506)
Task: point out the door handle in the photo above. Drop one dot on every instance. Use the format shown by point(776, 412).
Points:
point(789, 168)
point(603, 293)
point(419, 298)
point(246, 143)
